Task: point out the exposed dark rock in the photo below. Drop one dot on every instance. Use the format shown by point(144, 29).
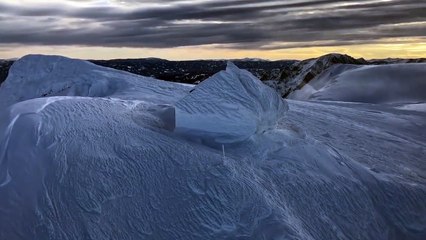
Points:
point(4, 69)
point(300, 73)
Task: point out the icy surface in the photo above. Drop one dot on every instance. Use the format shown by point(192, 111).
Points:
point(394, 83)
point(228, 107)
point(109, 168)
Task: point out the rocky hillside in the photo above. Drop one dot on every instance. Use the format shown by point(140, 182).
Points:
point(295, 76)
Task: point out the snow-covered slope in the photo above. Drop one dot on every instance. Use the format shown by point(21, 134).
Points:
point(108, 167)
point(394, 83)
point(42, 76)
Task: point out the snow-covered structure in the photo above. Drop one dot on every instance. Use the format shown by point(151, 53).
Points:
point(106, 166)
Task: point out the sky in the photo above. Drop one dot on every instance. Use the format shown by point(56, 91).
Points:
point(213, 29)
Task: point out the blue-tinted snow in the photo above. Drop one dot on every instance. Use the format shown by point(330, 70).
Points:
point(229, 107)
point(109, 168)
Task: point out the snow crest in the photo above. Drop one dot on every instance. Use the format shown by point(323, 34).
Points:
point(229, 107)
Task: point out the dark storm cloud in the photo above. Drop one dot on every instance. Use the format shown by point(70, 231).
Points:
point(234, 23)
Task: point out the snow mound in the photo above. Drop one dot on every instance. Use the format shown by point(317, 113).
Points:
point(229, 107)
point(395, 83)
point(35, 76)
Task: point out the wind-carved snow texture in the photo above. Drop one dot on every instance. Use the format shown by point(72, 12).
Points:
point(109, 168)
point(230, 106)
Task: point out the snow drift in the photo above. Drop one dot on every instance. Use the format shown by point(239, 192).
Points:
point(394, 83)
point(36, 76)
point(79, 167)
point(229, 107)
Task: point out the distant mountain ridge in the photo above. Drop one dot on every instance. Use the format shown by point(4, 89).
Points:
point(396, 60)
point(193, 71)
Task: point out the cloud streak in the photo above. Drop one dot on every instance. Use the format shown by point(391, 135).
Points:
point(242, 24)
